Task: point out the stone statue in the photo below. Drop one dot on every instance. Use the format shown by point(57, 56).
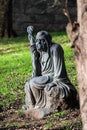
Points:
point(49, 88)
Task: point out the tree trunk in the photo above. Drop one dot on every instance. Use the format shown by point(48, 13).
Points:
point(78, 36)
point(81, 59)
point(6, 18)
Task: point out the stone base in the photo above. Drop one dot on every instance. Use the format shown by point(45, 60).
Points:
point(39, 113)
point(52, 105)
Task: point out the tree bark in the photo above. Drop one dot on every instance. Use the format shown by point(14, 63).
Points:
point(81, 59)
point(78, 37)
point(6, 18)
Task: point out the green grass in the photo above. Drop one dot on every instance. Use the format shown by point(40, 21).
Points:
point(16, 66)
point(60, 114)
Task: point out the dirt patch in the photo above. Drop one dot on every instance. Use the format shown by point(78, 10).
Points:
point(13, 119)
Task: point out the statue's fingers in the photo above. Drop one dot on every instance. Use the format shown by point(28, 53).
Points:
point(30, 29)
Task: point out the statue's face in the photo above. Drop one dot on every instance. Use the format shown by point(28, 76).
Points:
point(41, 43)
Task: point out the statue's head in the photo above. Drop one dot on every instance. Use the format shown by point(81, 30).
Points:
point(43, 41)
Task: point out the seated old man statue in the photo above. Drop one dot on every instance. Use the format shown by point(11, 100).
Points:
point(49, 88)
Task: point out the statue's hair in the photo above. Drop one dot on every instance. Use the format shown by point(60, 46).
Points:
point(44, 34)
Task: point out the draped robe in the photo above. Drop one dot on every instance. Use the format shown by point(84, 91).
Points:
point(48, 68)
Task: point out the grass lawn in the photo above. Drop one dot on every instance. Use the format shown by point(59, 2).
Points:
point(16, 67)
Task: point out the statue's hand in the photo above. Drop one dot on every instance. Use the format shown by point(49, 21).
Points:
point(49, 86)
point(30, 30)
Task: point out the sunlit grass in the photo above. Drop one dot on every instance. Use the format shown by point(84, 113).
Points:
point(16, 66)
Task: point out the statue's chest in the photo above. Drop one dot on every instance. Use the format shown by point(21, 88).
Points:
point(46, 62)
point(44, 58)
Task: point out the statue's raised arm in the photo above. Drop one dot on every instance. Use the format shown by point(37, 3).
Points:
point(30, 35)
point(34, 52)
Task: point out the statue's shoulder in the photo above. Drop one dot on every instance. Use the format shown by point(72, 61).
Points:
point(56, 47)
